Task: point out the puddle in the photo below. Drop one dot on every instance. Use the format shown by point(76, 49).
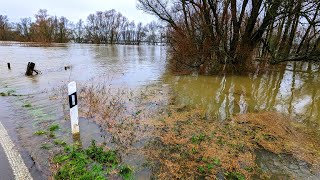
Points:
point(284, 166)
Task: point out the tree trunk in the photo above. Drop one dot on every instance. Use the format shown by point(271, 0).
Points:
point(30, 68)
point(293, 28)
point(284, 41)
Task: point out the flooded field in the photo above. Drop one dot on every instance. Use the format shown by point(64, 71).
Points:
point(292, 91)
point(148, 98)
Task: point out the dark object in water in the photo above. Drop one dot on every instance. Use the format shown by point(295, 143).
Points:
point(9, 67)
point(30, 69)
point(66, 67)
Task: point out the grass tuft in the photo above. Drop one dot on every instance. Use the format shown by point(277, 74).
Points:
point(90, 163)
point(126, 172)
point(39, 133)
point(54, 127)
point(27, 105)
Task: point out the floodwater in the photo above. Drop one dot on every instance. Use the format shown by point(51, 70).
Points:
point(293, 90)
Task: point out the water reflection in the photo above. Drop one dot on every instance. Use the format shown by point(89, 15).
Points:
point(292, 90)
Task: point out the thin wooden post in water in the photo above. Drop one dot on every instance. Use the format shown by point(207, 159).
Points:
point(30, 68)
point(9, 67)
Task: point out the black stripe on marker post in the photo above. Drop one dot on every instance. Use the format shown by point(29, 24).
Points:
point(71, 102)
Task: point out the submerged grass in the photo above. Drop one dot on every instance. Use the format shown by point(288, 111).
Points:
point(9, 92)
point(27, 105)
point(50, 132)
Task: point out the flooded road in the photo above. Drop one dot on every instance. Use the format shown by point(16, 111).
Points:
point(292, 90)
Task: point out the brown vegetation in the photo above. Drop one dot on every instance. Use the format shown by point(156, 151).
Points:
point(184, 143)
point(233, 33)
point(188, 146)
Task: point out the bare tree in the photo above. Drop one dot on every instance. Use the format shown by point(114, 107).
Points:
point(4, 28)
point(208, 34)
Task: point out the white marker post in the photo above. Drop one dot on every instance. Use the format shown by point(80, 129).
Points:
point(73, 102)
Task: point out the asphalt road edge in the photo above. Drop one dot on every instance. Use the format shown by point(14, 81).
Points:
point(20, 171)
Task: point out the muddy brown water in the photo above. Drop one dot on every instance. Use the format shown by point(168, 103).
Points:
point(293, 91)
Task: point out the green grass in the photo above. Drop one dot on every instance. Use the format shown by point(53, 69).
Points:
point(126, 172)
point(234, 176)
point(40, 132)
point(27, 105)
point(201, 169)
point(90, 163)
point(9, 92)
point(54, 127)
point(210, 163)
point(59, 142)
point(138, 112)
point(45, 146)
point(216, 161)
point(3, 94)
point(51, 135)
point(197, 139)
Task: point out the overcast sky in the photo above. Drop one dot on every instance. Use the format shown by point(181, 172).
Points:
point(72, 9)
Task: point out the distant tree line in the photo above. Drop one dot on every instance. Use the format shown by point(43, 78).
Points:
point(208, 35)
point(107, 27)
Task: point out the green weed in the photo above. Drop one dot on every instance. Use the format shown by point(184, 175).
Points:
point(249, 169)
point(216, 161)
point(52, 135)
point(201, 169)
point(138, 112)
point(54, 127)
point(91, 163)
point(59, 142)
point(27, 105)
point(194, 151)
point(234, 176)
point(126, 172)
point(40, 132)
point(97, 153)
point(209, 165)
point(45, 146)
point(8, 93)
point(197, 139)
